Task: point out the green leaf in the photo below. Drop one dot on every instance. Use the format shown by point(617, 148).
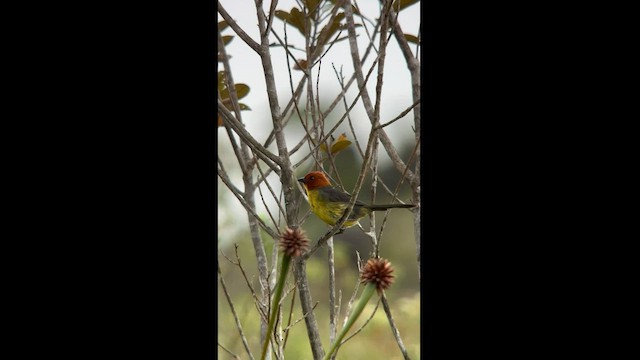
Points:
point(227, 103)
point(340, 145)
point(312, 5)
point(329, 30)
point(242, 90)
point(283, 15)
point(295, 18)
point(403, 4)
point(221, 80)
point(412, 38)
point(224, 94)
point(227, 39)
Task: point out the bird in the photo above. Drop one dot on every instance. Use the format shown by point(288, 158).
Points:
point(329, 203)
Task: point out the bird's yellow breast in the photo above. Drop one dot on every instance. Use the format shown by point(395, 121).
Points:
point(330, 211)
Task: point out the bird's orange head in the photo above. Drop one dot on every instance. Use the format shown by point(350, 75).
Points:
point(314, 180)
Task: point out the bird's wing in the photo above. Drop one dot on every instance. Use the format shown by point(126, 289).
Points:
point(333, 195)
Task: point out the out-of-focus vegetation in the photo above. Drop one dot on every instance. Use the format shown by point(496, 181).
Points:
point(403, 296)
point(397, 245)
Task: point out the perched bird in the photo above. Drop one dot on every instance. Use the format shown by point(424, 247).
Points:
point(329, 203)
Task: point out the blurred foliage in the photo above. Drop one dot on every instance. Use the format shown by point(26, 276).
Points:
point(403, 296)
point(397, 245)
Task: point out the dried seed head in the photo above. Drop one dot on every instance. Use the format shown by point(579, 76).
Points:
point(294, 242)
point(377, 271)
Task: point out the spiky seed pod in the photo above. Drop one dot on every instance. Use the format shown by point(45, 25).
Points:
point(294, 242)
point(377, 271)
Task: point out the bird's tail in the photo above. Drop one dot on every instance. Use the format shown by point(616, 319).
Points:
point(381, 207)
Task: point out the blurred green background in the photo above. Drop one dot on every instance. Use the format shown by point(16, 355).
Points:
point(398, 245)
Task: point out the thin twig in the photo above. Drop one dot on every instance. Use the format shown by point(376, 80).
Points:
point(235, 316)
point(270, 190)
point(238, 30)
point(397, 189)
point(344, 101)
point(394, 328)
point(402, 114)
point(230, 353)
point(286, 333)
point(384, 139)
point(355, 101)
point(272, 11)
point(308, 136)
point(300, 319)
point(225, 179)
point(353, 77)
point(259, 306)
point(288, 110)
point(267, 156)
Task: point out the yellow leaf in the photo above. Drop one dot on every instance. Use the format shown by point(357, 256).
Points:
point(340, 144)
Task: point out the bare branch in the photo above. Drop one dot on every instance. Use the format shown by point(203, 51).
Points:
point(402, 114)
point(286, 175)
point(238, 30)
point(261, 151)
point(225, 179)
point(272, 11)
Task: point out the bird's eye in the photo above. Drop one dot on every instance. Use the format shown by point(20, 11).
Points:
point(312, 178)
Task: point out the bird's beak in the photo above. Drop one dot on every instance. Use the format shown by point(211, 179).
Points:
point(301, 180)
